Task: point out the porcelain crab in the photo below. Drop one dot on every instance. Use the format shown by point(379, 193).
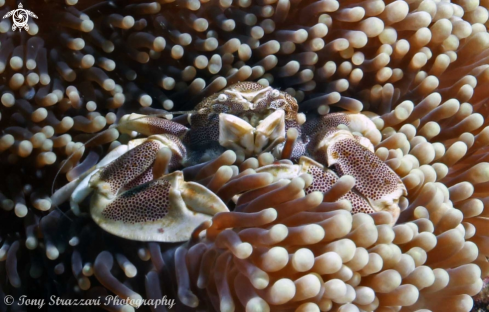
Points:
point(133, 194)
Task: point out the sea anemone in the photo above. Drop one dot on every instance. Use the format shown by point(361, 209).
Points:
point(310, 254)
point(419, 66)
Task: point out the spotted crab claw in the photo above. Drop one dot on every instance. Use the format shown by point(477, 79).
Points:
point(77, 190)
point(375, 181)
point(164, 145)
point(239, 135)
point(323, 180)
point(131, 200)
point(166, 209)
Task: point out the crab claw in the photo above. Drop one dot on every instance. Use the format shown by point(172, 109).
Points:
point(129, 203)
point(323, 180)
point(134, 167)
point(164, 210)
point(126, 168)
point(381, 186)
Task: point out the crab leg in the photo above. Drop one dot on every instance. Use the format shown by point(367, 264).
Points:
point(149, 125)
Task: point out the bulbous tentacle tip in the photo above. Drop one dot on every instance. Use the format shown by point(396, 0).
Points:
point(366, 125)
point(363, 123)
point(365, 142)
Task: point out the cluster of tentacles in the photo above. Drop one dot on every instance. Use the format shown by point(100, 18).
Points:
point(307, 253)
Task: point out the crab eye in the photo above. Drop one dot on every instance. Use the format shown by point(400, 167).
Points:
point(222, 98)
point(219, 108)
point(275, 94)
point(274, 105)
